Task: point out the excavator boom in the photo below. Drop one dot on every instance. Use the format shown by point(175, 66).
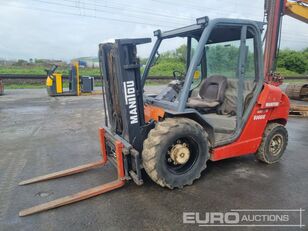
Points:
point(297, 9)
point(274, 11)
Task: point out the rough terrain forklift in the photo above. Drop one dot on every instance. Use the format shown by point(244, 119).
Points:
point(222, 114)
point(77, 84)
point(216, 109)
point(172, 134)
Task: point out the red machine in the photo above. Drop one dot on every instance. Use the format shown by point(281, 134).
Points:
point(224, 105)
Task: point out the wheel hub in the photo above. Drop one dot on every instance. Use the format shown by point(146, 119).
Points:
point(276, 144)
point(180, 153)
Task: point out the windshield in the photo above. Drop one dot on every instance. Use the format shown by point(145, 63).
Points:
point(169, 67)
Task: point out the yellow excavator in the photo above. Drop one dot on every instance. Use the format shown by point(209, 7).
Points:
point(274, 10)
point(297, 9)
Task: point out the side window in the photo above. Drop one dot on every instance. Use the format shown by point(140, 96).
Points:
point(223, 50)
point(250, 68)
point(222, 58)
point(250, 74)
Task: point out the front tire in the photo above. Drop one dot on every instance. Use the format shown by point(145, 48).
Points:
point(175, 152)
point(274, 143)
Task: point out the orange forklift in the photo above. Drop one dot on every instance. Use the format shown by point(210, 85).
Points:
point(209, 112)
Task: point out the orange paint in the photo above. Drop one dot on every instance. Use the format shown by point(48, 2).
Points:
point(153, 112)
point(120, 167)
point(101, 133)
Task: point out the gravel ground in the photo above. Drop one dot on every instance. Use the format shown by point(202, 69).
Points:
point(40, 134)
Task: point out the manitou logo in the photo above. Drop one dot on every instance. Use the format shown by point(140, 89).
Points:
point(130, 100)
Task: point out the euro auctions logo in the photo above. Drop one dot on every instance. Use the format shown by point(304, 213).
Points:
point(247, 218)
point(211, 218)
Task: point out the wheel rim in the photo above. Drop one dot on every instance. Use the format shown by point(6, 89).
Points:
point(276, 144)
point(182, 155)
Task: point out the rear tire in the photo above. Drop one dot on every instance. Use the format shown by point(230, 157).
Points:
point(185, 135)
point(274, 143)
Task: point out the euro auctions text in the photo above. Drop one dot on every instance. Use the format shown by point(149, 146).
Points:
point(247, 217)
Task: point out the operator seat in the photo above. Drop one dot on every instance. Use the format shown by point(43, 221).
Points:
point(211, 93)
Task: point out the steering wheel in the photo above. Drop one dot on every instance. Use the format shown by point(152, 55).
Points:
point(178, 75)
point(51, 70)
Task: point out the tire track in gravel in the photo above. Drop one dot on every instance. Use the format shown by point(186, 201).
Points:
point(42, 167)
point(8, 180)
point(12, 165)
point(46, 165)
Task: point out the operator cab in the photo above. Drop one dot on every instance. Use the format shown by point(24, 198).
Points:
point(215, 69)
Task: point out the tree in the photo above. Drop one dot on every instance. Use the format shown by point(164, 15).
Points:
point(224, 60)
point(296, 61)
point(181, 53)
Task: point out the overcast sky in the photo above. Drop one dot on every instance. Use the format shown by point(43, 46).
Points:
point(66, 29)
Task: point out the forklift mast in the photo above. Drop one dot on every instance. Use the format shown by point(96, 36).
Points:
point(122, 89)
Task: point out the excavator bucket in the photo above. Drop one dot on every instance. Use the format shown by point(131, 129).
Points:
point(119, 182)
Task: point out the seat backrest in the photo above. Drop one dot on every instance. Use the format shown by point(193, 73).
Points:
point(229, 104)
point(213, 88)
